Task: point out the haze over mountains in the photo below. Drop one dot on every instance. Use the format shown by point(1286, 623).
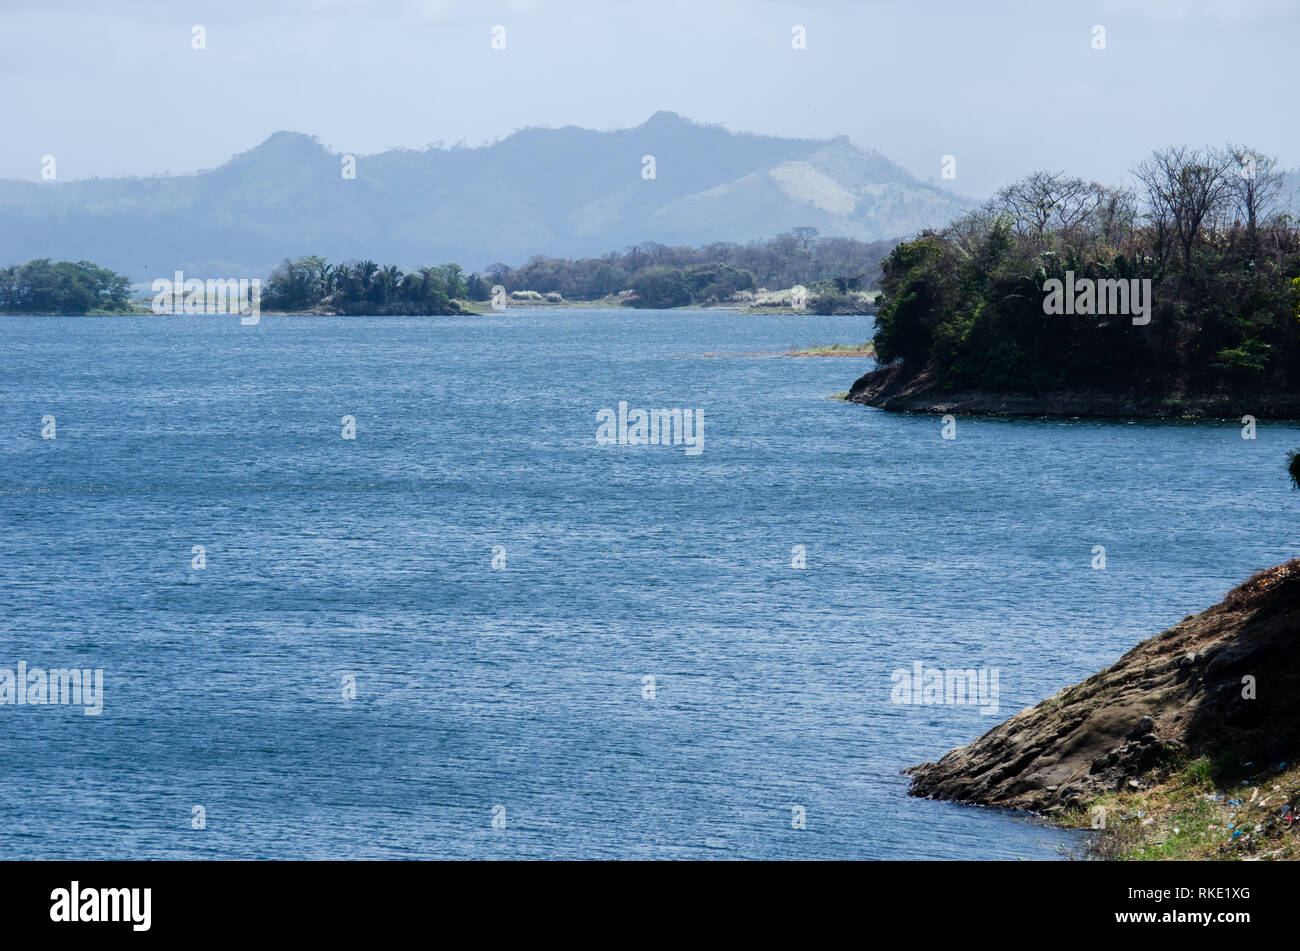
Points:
point(566, 192)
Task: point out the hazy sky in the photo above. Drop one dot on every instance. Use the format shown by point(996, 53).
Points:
point(1005, 87)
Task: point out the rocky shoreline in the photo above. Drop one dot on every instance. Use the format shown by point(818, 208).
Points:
point(1223, 685)
point(898, 389)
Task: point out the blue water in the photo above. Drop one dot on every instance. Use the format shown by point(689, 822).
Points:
point(522, 687)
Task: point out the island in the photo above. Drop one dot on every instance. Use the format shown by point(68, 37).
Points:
point(1061, 297)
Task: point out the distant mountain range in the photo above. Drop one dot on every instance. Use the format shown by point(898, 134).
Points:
point(561, 192)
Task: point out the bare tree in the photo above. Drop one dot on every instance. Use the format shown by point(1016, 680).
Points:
point(1113, 214)
point(1043, 200)
point(970, 231)
point(806, 235)
point(1256, 187)
point(1184, 187)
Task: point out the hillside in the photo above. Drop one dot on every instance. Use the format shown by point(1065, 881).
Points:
point(1211, 703)
point(562, 192)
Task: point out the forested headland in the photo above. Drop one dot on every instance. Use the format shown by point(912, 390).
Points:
point(967, 322)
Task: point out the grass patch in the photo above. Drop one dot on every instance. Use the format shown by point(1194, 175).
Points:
point(867, 349)
point(1220, 808)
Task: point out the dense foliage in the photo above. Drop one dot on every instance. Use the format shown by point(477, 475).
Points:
point(699, 283)
point(663, 276)
point(657, 275)
point(42, 286)
point(967, 303)
point(353, 287)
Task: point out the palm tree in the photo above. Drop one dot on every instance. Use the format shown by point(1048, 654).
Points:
point(337, 278)
point(366, 271)
point(389, 278)
point(319, 271)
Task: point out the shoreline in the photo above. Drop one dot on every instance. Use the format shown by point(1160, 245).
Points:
point(138, 308)
point(1164, 752)
point(894, 389)
point(482, 307)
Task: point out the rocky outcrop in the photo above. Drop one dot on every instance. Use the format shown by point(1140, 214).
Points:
point(1222, 682)
point(903, 389)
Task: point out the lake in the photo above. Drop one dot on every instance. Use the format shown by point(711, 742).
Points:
point(472, 631)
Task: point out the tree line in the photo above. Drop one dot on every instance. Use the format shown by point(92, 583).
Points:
point(363, 287)
point(664, 276)
point(1202, 225)
point(42, 286)
point(657, 275)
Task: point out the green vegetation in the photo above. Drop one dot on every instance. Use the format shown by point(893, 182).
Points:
point(837, 350)
point(835, 271)
point(44, 287)
point(660, 276)
point(363, 287)
point(1205, 809)
point(967, 303)
point(699, 283)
